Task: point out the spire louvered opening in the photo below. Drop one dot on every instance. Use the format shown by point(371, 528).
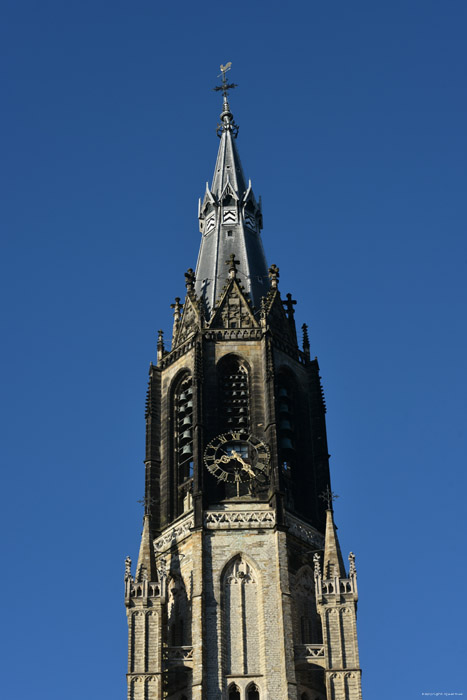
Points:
point(234, 394)
point(183, 423)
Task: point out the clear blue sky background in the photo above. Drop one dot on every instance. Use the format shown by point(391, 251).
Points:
point(353, 130)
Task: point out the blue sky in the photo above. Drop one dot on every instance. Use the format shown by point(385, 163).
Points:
point(352, 128)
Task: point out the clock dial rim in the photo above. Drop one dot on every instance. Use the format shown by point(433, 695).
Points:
point(240, 474)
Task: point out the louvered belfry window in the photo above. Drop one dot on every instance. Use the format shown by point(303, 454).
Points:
point(183, 405)
point(234, 397)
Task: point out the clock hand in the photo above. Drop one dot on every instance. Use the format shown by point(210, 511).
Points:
point(246, 467)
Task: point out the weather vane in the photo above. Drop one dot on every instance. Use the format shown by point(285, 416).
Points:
point(328, 496)
point(225, 87)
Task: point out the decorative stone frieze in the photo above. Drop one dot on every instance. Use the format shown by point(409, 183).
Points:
point(304, 532)
point(174, 534)
point(225, 520)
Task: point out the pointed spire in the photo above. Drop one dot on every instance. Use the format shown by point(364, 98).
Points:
point(146, 566)
point(333, 564)
point(230, 220)
point(177, 307)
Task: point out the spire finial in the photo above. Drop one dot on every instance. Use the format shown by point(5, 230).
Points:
point(328, 496)
point(227, 120)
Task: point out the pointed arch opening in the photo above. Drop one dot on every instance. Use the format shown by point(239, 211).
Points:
point(233, 692)
point(242, 628)
point(295, 446)
point(234, 393)
point(182, 421)
point(252, 692)
point(233, 377)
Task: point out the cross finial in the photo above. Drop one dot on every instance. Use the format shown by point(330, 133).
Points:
point(147, 502)
point(328, 496)
point(177, 308)
point(232, 263)
point(289, 305)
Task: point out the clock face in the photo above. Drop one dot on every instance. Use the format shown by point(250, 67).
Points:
point(238, 457)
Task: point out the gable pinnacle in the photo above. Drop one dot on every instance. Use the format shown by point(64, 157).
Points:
point(274, 276)
point(232, 263)
point(190, 280)
point(306, 341)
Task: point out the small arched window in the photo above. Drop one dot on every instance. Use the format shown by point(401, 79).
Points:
point(234, 692)
point(252, 692)
point(183, 425)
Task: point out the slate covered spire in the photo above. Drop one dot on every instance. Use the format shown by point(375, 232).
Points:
point(333, 564)
point(230, 222)
point(146, 566)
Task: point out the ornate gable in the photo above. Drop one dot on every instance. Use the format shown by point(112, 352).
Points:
point(190, 321)
point(234, 309)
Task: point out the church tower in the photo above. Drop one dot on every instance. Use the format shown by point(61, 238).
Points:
point(240, 590)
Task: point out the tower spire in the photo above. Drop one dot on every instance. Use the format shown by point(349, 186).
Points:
point(230, 219)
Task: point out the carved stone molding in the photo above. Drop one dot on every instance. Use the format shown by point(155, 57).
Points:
point(179, 656)
point(234, 334)
point(245, 519)
point(309, 651)
point(304, 532)
point(174, 534)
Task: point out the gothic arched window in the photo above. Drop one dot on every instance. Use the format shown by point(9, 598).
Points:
point(241, 618)
point(234, 692)
point(234, 394)
point(252, 692)
point(183, 443)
